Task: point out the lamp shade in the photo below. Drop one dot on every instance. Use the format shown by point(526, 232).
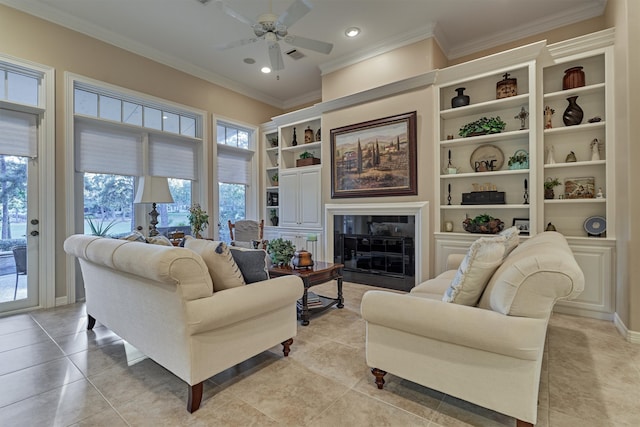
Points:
point(153, 189)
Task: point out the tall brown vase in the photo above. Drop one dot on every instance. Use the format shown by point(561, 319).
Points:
point(573, 77)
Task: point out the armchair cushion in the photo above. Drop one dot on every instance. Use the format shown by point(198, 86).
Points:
point(223, 270)
point(159, 240)
point(483, 258)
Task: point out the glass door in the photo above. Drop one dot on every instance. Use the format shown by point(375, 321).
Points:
point(18, 232)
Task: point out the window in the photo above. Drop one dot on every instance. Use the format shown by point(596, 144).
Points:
point(119, 137)
point(236, 191)
point(18, 86)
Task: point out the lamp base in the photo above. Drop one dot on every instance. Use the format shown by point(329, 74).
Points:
point(153, 231)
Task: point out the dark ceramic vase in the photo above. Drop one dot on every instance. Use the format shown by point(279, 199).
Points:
point(573, 114)
point(461, 100)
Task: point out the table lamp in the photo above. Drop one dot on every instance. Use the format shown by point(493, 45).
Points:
point(153, 189)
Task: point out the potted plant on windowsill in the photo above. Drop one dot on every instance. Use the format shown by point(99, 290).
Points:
point(307, 159)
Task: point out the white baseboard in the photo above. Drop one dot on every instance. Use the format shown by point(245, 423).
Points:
point(631, 336)
point(62, 301)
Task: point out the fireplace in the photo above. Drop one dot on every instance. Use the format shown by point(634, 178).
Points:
point(379, 244)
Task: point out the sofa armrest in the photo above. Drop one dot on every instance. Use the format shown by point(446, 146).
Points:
point(243, 302)
point(485, 330)
point(454, 261)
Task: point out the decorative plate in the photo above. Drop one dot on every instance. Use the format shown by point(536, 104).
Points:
point(484, 155)
point(595, 225)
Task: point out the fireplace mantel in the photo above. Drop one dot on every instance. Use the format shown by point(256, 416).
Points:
point(420, 210)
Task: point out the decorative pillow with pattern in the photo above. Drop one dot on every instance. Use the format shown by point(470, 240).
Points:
point(483, 258)
point(223, 270)
point(160, 240)
point(134, 236)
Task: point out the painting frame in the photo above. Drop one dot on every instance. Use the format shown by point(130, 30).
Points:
point(375, 158)
point(522, 224)
point(583, 187)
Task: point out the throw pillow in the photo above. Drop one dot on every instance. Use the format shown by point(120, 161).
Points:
point(252, 263)
point(134, 236)
point(223, 270)
point(512, 237)
point(483, 258)
point(160, 240)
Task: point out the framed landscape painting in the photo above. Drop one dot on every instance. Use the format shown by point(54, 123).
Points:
point(375, 158)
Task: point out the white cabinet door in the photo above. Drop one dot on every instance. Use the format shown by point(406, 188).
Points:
point(289, 198)
point(300, 198)
point(310, 213)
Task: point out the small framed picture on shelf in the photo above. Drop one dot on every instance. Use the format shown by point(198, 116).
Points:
point(522, 224)
point(579, 188)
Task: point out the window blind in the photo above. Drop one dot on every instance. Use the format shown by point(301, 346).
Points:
point(172, 157)
point(18, 133)
point(104, 149)
point(234, 165)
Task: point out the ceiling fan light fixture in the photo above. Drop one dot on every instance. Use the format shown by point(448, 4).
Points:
point(265, 70)
point(351, 32)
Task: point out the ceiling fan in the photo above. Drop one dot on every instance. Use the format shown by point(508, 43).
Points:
point(273, 29)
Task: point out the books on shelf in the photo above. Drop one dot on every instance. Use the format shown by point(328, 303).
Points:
point(313, 301)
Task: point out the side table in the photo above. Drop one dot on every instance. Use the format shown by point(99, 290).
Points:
point(321, 272)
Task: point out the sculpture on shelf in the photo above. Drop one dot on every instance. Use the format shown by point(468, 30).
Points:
point(548, 115)
point(550, 156)
point(595, 151)
point(522, 116)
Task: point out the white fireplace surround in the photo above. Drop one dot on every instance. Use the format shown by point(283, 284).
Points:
point(419, 210)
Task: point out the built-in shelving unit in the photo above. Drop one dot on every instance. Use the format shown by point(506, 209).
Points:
point(481, 88)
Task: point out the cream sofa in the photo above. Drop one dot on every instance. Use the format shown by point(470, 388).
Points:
point(489, 354)
point(161, 300)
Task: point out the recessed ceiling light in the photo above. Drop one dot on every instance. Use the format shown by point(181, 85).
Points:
point(249, 61)
point(265, 70)
point(352, 32)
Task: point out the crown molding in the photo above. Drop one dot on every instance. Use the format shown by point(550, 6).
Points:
point(53, 15)
point(588, 42)
point(536, 27)
point(388, 45)
point(307, 98)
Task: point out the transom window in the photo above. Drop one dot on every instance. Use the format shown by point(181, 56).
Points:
point(91, 102)
point(233, 136)
point(19, 86)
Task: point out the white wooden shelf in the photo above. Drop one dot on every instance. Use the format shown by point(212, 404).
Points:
point(485, 107)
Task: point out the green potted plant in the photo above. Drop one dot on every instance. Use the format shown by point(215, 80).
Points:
point(280, 251)
point(482, 126)
point(548, 187)
point(99, 228)
point(273, 215)
point(307, 159)
point(519, 160)
point(274, 179)
point(198, 220)
point(485, 224)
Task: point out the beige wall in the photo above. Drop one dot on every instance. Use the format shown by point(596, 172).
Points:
point(28, 37)
point(402, 63)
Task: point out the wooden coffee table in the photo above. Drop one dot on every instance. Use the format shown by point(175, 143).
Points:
point(321, 272)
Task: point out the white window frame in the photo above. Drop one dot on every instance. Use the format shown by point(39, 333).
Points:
point(46, 178)
point(251, 209)
point(74, 181)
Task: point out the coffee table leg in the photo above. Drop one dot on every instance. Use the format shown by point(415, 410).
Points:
point(305, 304)
point(340, 297)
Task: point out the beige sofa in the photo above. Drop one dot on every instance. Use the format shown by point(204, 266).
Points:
point(161, 300)
point(489, 354)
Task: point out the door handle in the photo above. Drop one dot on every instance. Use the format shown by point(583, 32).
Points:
point(35, 233)
point(35, 222)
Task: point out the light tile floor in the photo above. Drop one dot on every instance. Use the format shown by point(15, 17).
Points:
point(55, 372)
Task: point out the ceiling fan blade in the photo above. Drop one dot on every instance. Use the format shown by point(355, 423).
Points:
point(226, 9)
point(236, 43)
point(275, 56)
point(311, 44)
point(297, 10)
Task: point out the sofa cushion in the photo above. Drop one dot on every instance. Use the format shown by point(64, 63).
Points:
point(223, 270)
point(134, 236)
point(483, 258)
point(252, 263)
point(512, 236)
